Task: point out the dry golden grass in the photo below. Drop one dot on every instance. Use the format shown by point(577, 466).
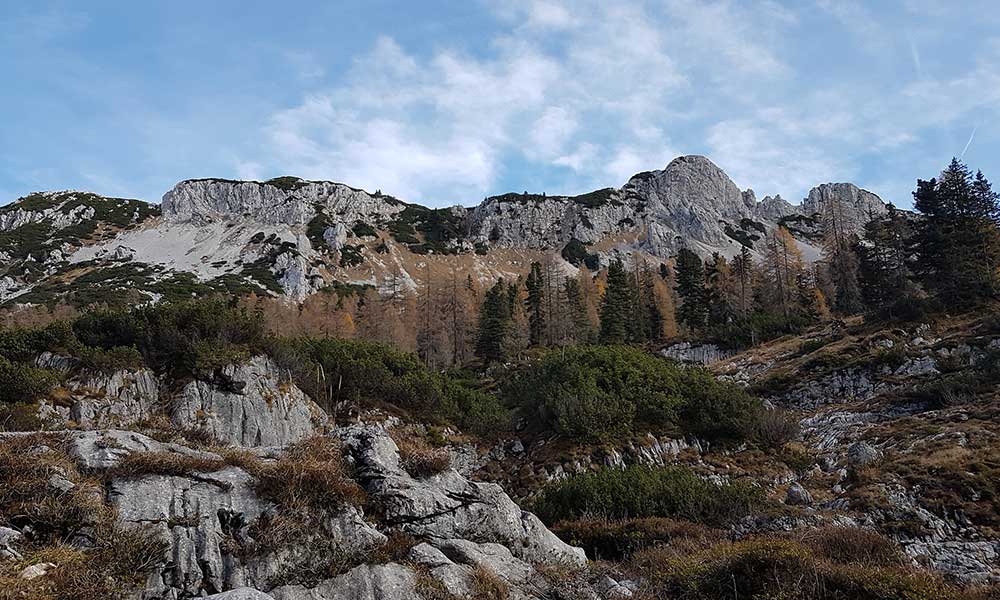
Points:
point(781, 567)
point(120, 558)
point(605, 539)
point(486, 585)
point(418, 456)
point(310, 474)
point(137, 464)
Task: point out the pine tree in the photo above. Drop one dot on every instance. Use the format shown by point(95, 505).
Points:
point(840, 262)
point(616, 306)
point(535, 305)
point(581, 332)
point(693, 310)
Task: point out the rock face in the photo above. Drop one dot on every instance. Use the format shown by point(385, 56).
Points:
point(186, 511)
point(249, 405)
point(291, 201)
point(843, 205)
point(703, 354)
point(116, 399)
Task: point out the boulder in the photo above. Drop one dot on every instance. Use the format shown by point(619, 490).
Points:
point(365, 582)
point(798, 496)
point(862, 454)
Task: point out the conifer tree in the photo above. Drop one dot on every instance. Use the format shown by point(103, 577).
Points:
point(616, 306)
point(883, 260)
point(957, 242)
point(535, 287)
point(581, 331)
point(782, 268)
point(743, 272)
point(494, 323)
point(693, 310)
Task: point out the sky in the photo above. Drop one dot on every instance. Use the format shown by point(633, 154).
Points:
point(445, 103)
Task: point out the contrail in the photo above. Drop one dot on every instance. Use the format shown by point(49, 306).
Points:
point(968, 143)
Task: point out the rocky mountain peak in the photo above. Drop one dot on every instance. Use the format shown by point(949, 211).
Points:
point(852, 205)
point(279, 201)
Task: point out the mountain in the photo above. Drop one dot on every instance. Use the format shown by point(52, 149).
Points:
point(292, 237)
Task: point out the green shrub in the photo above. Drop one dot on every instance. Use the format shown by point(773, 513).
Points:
point(369, 373)
point(606, 539)
point(20, 382)
point(187, 337)
point(756, 328)
point(604, 392)
point(113, 359)
point(640, 491)
point(24, 345)
point(575, 253)
point(787, 569)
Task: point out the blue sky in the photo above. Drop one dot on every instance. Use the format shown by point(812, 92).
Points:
point(448, 102)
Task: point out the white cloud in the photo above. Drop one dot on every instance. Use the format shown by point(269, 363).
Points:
point(445, 125)
point(598, 91)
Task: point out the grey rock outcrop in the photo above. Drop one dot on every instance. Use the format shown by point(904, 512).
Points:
point(364, 582)
point(862, 454)
point(703, 354)
point(449, 506)
point(185, 511)
point(96, 450)
point(249, 405)
point(843, 205)
point(114, 399)
point(798, 496)
point(240, 594)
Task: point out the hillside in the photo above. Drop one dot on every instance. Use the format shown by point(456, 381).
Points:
point(290, 237)
point(179, 451)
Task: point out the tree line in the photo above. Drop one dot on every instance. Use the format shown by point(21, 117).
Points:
point(900, 265)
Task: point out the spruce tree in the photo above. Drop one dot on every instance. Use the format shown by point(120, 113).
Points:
point(494, 323)
point(957, 241)
point(616, 305)
point(693, 310)
point(743, 271)
point(535, 304)
point(581, 329)
point(883, 260)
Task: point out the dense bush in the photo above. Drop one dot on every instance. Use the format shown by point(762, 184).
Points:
point(640, 491)
point(366, 373)
point(20, 382)
point(783, 568)
point(774, 428)
point(757, 328)
point(602, 392)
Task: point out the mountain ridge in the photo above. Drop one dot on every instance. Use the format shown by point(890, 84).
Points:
point(292, 237)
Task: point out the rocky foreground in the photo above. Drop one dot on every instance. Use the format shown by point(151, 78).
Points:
point(239, 486)
point(288, 507)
